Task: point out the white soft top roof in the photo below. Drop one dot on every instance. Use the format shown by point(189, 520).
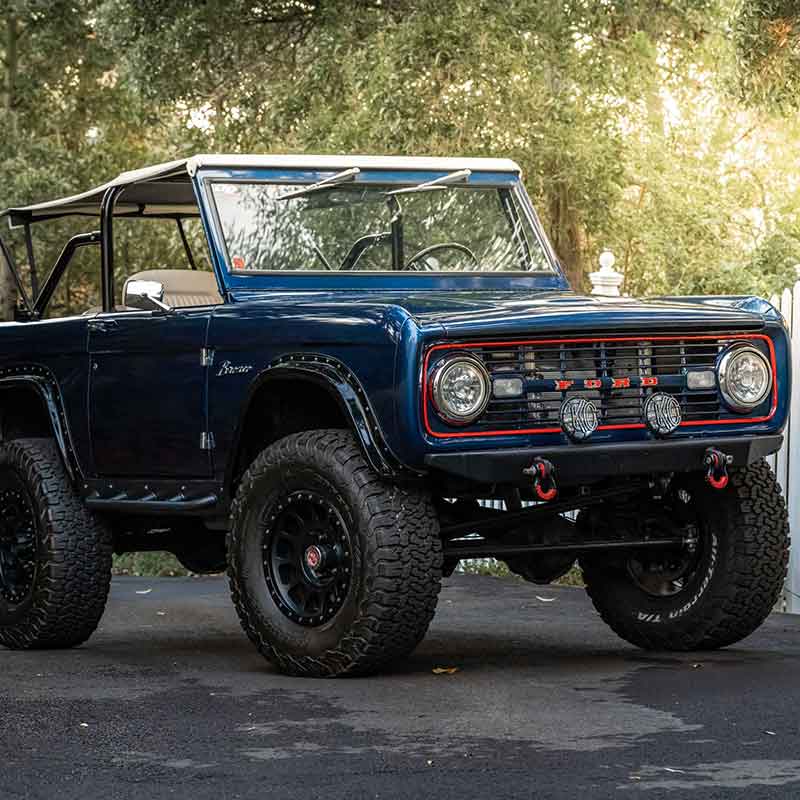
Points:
point(164, 189)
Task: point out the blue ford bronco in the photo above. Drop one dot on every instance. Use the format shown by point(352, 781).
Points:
point(322, 397)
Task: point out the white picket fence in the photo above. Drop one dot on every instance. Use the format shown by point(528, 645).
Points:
point(788, 473)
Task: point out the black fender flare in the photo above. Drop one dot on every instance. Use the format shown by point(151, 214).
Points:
point(42, 381)
point(345, 388)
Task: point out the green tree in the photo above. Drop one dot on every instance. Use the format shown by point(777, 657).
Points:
point(615, 110)
point(69, 120)
point(546, 82)
point(767, 50)
point(709, 206)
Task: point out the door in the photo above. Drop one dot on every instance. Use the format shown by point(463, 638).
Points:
point(147, 391)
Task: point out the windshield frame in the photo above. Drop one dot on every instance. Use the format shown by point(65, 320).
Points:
point(552, 278)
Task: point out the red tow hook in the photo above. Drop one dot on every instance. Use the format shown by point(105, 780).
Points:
point(716, 464)
point(544, 480)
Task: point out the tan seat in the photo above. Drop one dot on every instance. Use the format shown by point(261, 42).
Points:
point(182, 287)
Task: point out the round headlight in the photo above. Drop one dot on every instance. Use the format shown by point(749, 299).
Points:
point(460, 390)
point(745, 378)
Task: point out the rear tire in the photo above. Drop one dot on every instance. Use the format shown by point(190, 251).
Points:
point(55, 567)
point(736, 582)
point(332, 571)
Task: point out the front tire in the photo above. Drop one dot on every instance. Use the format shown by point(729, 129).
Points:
point(55, 555)
point(732, 586)
point(332, 571)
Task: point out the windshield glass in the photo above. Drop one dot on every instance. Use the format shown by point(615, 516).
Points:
point(354, 226)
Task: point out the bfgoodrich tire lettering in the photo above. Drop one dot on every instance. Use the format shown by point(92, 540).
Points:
point(742, 574)
point(73, 555)
point(396, 559)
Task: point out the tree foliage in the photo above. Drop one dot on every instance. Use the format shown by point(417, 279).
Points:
point(767, 38)
point(620, 112)
point(547, 83)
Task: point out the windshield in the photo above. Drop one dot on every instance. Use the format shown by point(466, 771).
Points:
point(351, 226)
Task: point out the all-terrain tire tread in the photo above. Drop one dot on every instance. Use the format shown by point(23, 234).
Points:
point(758, 550)
point(402, 562)
point(76, 548)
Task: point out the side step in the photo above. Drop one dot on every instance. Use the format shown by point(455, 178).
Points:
point(152, 503)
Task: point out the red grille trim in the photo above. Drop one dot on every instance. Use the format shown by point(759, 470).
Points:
point(591, 340)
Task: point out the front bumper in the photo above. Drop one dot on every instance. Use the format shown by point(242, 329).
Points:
point(586, 463)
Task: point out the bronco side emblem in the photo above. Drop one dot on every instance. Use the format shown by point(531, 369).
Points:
point(579, 418)
point(226, 368)
point(662, 413)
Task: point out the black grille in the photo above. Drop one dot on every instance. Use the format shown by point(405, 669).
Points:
point(621, 375)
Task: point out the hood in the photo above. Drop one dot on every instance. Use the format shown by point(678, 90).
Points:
point(465, 313)
point(489, 314)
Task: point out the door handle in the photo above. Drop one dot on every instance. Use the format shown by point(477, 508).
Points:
point(102, 325)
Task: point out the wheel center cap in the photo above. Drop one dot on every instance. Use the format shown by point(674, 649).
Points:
point(314, 557)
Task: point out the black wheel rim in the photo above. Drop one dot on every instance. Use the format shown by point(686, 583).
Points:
point(307, 558)
point(667, 573)
point(18, 547)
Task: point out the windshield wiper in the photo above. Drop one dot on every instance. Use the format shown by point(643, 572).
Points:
point(334, 180)
point(461, 175)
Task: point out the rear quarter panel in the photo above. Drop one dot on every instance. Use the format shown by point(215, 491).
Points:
point(58, 346)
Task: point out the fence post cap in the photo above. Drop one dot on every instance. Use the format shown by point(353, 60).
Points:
point(606, 281)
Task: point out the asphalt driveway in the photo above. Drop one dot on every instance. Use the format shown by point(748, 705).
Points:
point(169, 699)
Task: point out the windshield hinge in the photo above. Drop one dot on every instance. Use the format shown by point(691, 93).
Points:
point(207, 441)
point(206, 357)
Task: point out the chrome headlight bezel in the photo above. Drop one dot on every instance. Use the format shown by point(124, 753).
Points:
point(439, 401)
point(723, 371)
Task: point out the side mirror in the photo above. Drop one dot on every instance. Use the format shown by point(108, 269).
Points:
point(145, 295)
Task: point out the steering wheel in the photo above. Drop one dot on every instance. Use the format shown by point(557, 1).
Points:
point(361, 247)
point(425, 252)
